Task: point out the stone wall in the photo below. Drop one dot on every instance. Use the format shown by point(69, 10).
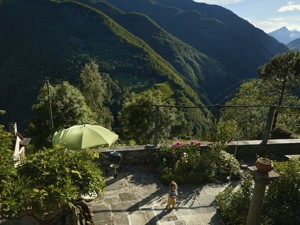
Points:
point(274, 148)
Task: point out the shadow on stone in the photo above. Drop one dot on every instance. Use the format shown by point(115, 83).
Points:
point(158, 217)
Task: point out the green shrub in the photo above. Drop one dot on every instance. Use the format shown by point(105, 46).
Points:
point(225, 164)
point(283, 196)
point(190, 163)
point(233, 204)
point(281, 202)
point(48, 182)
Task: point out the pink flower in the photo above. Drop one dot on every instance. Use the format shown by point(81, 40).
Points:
point(176, 144)
point(174, 152)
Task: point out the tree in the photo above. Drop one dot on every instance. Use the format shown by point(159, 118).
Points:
point(249, 108)
point(7, 170)
point(137, 117)
point(281, 201)
point(68, 108)
point(47, 184)
point(96, 92)
point(283, 73)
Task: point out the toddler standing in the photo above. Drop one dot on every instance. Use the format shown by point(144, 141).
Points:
point(172, 195)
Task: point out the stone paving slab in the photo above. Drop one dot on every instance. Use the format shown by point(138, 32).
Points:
point(137, 197)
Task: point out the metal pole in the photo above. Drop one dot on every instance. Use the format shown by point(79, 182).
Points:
point(268, 125)
point(50, 109)
point(218, 113)
point(156, 126)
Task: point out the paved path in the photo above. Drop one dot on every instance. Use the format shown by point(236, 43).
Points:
point(137, 197)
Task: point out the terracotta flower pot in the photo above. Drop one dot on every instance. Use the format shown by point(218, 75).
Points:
point(264, 165)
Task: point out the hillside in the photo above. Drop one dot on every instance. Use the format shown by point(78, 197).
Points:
point(211, 29)
point(294, 45)
point(198, 70)
point(202, 52)
point(51, 40)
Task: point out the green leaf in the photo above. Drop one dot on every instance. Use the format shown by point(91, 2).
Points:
point(76, 172)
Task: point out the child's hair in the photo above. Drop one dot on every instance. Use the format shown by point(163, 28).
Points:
point(173, 184)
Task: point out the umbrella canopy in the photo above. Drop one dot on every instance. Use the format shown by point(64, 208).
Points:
point(84, 136)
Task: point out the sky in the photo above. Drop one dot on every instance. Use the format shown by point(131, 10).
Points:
point(268, 15)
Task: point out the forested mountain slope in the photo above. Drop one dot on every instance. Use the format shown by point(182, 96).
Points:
point(53, 40)
point(211, 29)
point(206, 75)
point(294, 45)
point(202, 51)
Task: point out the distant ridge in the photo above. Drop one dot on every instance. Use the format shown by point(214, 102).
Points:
point(284, 35)
point(294, 45)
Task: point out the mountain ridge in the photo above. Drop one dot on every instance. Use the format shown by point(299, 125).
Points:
point(213, 30)
point(294, 45)
point(198, 70)
point(284, 35)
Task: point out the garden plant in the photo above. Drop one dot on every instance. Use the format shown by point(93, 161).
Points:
point(48, 184)
point(281, 202)
point(192, 163)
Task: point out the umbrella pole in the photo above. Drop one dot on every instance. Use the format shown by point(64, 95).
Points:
point(115, 174)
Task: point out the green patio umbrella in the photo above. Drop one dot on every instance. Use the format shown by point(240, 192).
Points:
point(84, 136)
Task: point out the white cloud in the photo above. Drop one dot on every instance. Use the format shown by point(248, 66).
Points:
point(270, 24)
point(277, 19)
point(289, 8)
point(219, 2)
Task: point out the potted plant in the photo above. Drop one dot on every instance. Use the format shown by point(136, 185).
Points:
point(264, 164)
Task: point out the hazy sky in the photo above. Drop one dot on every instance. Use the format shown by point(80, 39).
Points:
point(267, 15)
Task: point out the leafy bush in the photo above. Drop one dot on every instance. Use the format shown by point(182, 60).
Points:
point(233, 204)
point(188, 162)
point(48, 183)
point(7, 169)
point(281, 202)
point(226, 164)
point(283, 195)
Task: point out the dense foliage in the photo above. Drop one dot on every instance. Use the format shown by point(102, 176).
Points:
point(55, 46)
point(283, 73)
point(7, 171)
point(277, 86)
point(138, 115)
point(97, 94)
point(233, 204)
point(68, 108)
point(47, 183)
point(216, 32)
point(281, 200)
point(191, 163)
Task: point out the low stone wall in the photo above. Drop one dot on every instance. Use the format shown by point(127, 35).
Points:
point(274, 148)
point(131, 155)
